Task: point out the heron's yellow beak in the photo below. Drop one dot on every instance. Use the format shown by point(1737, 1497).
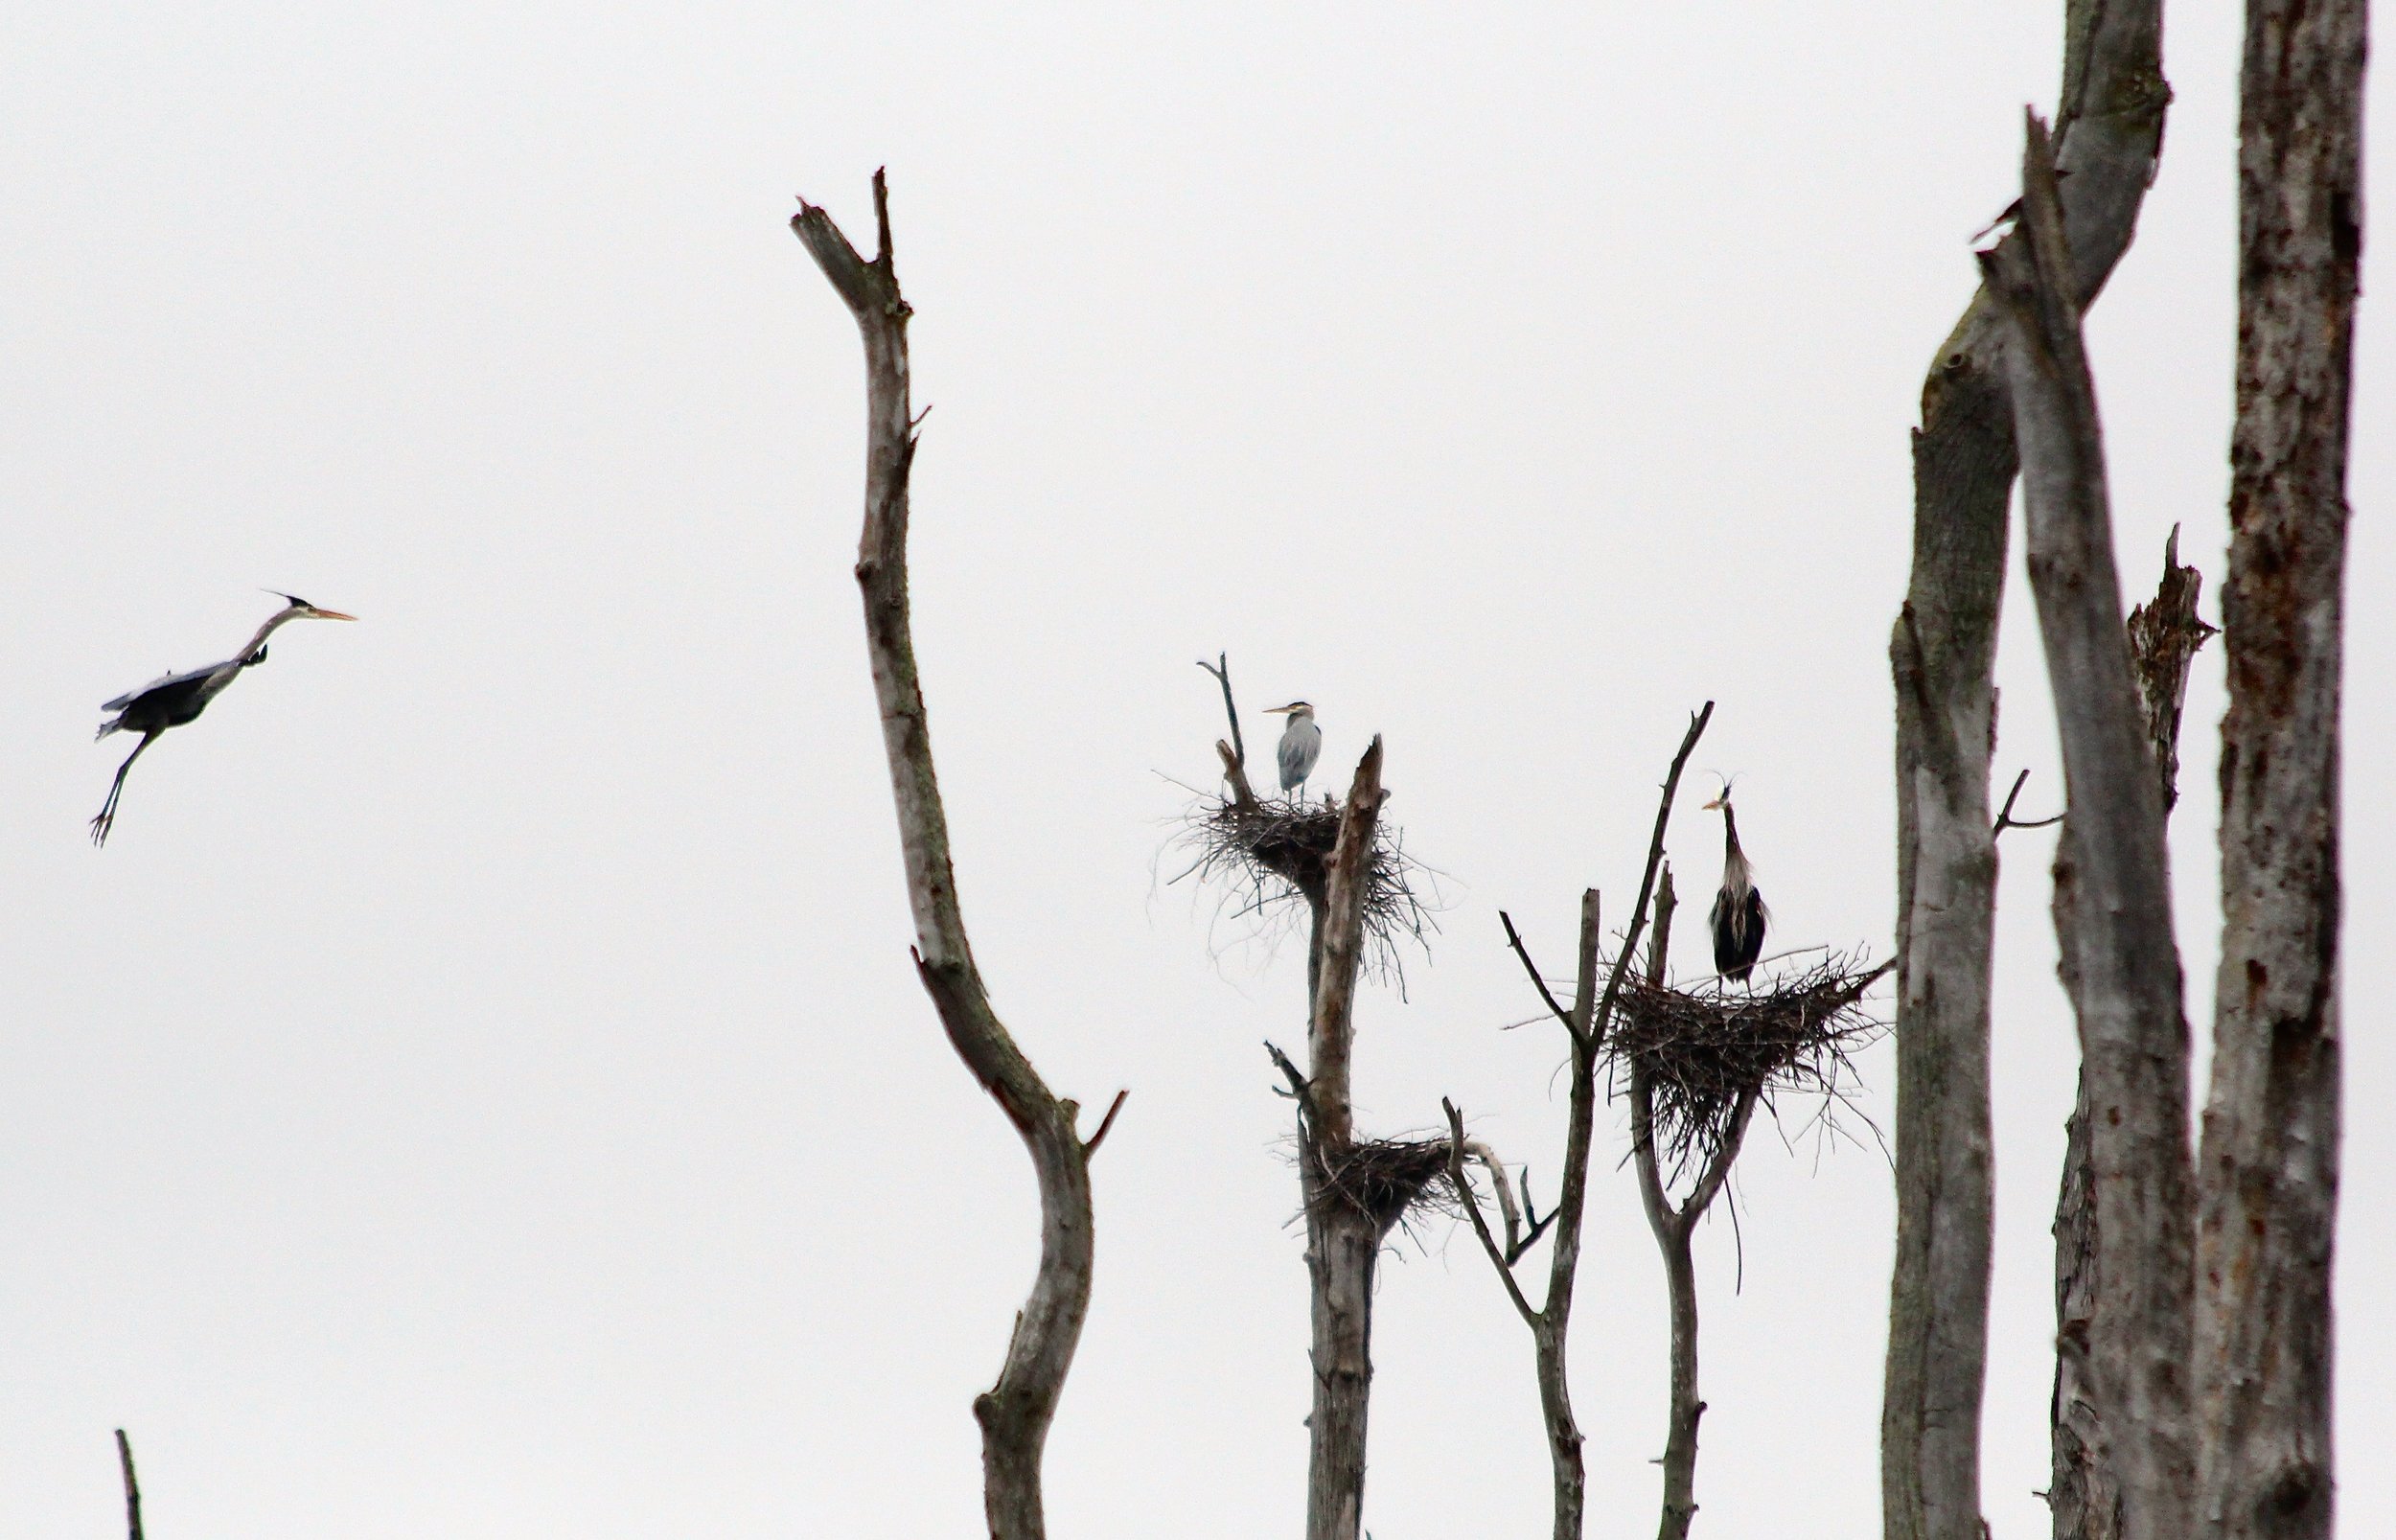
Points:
point(1711, 805)
point(314, 613)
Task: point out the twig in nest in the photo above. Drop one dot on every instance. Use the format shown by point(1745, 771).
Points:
point(1702, 1052)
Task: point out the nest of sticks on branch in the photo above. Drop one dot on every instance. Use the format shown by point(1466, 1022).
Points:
point(1275, 856)
point(1389, 1181)
point(1700, 1051)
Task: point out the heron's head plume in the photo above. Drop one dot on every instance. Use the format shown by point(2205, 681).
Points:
point(301, 609)
point(1296, 708)
point(1723, 800)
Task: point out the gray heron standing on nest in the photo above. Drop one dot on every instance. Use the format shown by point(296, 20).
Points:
point(1738, 916)
point(1301, 745)
point(180, 698)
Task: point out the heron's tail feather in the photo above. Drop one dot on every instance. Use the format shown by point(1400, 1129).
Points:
point(113, 725)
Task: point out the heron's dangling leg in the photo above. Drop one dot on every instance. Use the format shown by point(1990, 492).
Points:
point(101, 825)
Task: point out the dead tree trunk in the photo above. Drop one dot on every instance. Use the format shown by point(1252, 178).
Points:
point(1943, 655)
point(2270, 1165)
point(2112, 884)
point(2082, 1493)
point(1015, 1412)
point(1343, 1237)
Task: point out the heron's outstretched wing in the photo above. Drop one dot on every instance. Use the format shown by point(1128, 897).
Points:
point(163, 680)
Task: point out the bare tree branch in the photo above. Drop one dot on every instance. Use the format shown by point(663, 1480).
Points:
point(1016, 1411)
point(1090, 1146)
point(1513, 938)
point(1943, 658)
point(1585, 1024)
point(132, 1487)
point(1646, 880)
point(2269, 1211)
point(2121, 961)
point(1235, 754)
point(1503, 1191)
point(1472, 1210)
point(2005, 818)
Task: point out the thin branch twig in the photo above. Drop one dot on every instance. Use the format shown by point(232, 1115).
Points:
point(1472, 1210)
point(2005, 818)
point(132, 1487)
point(1513, 938)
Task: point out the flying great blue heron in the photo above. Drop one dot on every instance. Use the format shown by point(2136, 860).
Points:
point(1738, 916)
point(1301, 745)
point(180, 698)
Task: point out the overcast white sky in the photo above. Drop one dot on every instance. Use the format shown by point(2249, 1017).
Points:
point(481, 1090)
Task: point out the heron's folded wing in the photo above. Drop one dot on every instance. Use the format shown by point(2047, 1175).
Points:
point(160, 684)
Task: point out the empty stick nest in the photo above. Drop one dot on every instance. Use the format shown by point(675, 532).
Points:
point(1388, 1179)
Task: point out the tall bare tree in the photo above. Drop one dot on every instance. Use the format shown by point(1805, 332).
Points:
point(1585, 1024)
point(2270, 1159)
point(1943, 655)
point(1353, 1188)
point(1015, 1412)
point(2113, 884)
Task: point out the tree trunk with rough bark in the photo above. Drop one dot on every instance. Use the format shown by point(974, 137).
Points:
point(2269, 1172)
point(1943, 655)
point(2112, 884)
point(2082, 1494)
point(1016, 1411)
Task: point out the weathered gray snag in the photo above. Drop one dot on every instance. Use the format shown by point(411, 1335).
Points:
point(1343, 1239)
point(2113, 882)
point(1585, 1024)
point(1015, 1412)
point(1942, 657)
point(2082, 1494)
point(2270, 1165)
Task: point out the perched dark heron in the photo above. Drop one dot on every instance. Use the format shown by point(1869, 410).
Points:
point(180, 698)
point(1738, 916)
point(1301, 745)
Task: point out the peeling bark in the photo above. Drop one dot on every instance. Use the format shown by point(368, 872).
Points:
point(1942, 657)
point(1016, 1411)
point(2269, 1171)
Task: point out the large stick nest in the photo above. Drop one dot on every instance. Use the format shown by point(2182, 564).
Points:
point(1387, 1180)
point(1275, 858)
point(1701, 1051)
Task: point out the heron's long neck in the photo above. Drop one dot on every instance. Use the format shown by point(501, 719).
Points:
point(1736, 877)
point(265, 630)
